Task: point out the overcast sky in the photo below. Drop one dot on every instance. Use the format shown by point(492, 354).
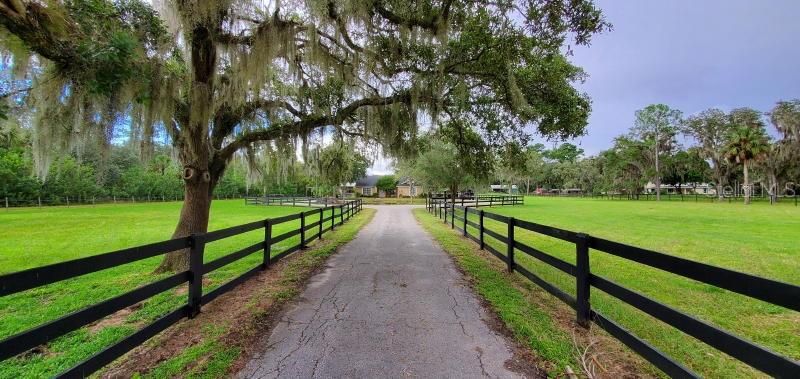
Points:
point(690, 55)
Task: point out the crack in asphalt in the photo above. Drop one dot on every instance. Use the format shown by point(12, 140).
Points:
point(390, 303)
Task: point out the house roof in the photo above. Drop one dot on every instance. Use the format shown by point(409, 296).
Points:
point(368, 181)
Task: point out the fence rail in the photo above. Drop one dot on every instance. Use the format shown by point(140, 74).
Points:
point(767, 290)
point(10, 202)
point(304, 201)
point(37, 277)
point(684, 197)
point(487, 200)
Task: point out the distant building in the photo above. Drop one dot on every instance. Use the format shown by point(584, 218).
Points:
point(368, 186)
point(503, 188)
point(364, 186)
point(406, 187)
point(686, 189)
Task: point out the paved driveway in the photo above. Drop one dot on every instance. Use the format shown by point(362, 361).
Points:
point(389, 304)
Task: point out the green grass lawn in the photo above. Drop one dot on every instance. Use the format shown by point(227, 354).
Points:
point(32, 237)
point(758, 239)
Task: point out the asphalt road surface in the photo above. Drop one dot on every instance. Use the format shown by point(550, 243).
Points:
point(389, 304)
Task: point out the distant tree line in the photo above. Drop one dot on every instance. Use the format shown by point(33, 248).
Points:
point(724, 148)
point(729, 152)
point(83, 176)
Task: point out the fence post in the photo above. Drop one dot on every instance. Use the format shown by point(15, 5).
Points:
point(453, 216)
point(465, 220)
point(6, 202)
point(333, 217)
point(267, 244)
point(510, 244)
point(197, 246)
point(481, 229)
point(341, 213)
point(321, 216)
point(582, 291)
point(302, 230)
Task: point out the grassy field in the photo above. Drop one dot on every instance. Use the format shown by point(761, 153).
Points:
point(757, 239)
point(33, 237)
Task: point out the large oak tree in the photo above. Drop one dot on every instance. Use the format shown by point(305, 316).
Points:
point(224, 76)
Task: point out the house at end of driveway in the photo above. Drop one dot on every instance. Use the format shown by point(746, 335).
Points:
point(406, 188)
point(364, 186)
point(368, 186)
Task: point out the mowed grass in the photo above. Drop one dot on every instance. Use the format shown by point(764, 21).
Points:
point(758, 239)
point(33, 237)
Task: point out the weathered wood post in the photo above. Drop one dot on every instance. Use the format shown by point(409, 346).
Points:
point(510, 244)
point(267, 244)
point(197, 245)
point(582, 291)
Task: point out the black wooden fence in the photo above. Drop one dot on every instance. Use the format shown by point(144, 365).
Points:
point(312, 226)
point(683, 197)
point(488, 200)
point(770, 291)
point(304, 201)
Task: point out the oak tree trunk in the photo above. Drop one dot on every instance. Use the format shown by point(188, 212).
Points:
point(194, 149)
point(193, 220)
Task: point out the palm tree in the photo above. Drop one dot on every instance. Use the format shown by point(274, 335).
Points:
point(745, 144)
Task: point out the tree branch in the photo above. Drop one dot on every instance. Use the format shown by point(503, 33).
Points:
point(431, 22)
point(30, 22)
point(308, 123)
